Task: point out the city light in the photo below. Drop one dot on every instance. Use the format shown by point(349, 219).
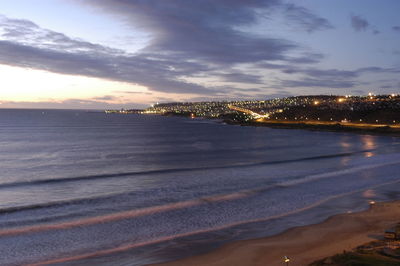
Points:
point(298, 108)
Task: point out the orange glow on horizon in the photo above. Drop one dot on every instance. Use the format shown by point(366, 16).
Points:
point(30, 85)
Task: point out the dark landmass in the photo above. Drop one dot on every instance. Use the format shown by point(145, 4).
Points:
point(337, 127)
point(375, 253)
point(124, 111)
point(362, 115)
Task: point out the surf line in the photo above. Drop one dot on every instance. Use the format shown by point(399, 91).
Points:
point(126, 247)
point(172, 206)
point(124, 215)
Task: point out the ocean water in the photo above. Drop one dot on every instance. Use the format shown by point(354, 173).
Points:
point(89, 188)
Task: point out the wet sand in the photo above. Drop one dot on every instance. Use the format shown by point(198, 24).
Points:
point(305, 244)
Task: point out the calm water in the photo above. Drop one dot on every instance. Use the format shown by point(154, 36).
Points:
point(86, 188)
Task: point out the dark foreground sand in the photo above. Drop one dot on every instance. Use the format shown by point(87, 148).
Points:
point(307, 243)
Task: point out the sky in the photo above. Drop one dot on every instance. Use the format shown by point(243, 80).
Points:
point(98, 54)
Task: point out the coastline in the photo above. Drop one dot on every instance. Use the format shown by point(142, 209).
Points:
point(364, 129)
point(305, 244)
point(332, 127)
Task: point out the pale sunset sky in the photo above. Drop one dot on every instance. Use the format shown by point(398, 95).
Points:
point(97, 54)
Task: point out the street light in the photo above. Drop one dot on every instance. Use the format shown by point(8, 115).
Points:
point(286, 260)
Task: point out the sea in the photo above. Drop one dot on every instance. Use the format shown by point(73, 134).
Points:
point(90, 188)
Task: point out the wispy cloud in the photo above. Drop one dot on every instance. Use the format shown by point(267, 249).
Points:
point(241, 78)
point(307, 20)
point(71, 104)
point(359, 23)
point(318, 83)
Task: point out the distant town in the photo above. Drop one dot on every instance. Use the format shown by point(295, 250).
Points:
point(316, 110)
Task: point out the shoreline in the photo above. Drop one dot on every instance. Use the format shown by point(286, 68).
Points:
point(323, 126)
point(333, 127)
point(304, 244)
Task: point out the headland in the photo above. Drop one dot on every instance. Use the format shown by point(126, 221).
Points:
point(370, 114)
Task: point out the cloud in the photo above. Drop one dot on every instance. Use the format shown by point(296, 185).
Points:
point(134, 92)
point(396, 28)
point(201, 30)
point(27, 33)
point(188, 39)
point(151, 73)
point(392, 70)
point(358, 92)
point(323, 73)
point(317, 83)
point(71, 104)
point(305, 19)
point(327, 78)
point(105, 98)
point(329, 73)
point(307, 58)
point(358, 23)
point(24, 44)
point(241, 78)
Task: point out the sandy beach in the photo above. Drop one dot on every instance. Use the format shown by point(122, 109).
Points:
point(305, 244)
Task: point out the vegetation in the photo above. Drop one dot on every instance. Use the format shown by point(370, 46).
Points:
point(357, 259)
point(375, 253)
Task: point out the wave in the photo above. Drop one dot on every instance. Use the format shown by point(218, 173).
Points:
point(293, 181)
point(130, 246)
point(168, 171)
point(316, 177)
point(123, 214)
point(166, 207)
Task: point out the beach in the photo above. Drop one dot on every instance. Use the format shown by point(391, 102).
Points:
point(305, 244)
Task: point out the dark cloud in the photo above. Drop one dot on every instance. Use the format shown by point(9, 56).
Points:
point(241, 78)
point(387, 86)
point(319, 73)
point(252, 90)
point(165, 99)
point(155, 74)
point(328, 73)
point(328, 78)
point(396, 28)
point(317, 83)
point(358, 92)
point(105, 98)
point(305, 19)
point(152, 73)
point(306, 58)
point(392, 70)
point(134, 92)
point(358, 23)
point(28, 45)
point(201, 30)
point(188, 39)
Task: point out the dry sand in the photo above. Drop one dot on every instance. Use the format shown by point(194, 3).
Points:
point(307, 243)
